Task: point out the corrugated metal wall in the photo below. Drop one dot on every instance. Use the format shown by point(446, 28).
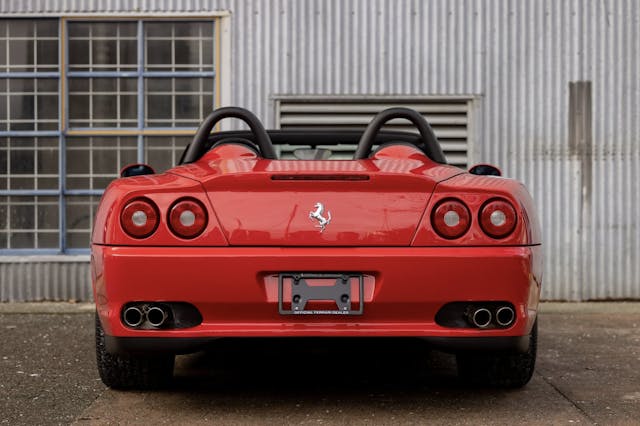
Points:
point(517, 57)
point(32, 278)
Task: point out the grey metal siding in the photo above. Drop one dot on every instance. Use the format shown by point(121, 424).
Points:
point(32, 278)
point(612, 196)
point(516, 58)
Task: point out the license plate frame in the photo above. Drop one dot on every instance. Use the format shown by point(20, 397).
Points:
point(306, 293)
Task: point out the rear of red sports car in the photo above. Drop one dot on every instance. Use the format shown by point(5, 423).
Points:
point(237, 243)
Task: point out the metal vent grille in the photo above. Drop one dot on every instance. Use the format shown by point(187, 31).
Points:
point(449, 118)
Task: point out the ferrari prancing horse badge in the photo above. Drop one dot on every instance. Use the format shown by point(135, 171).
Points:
point(317, 214)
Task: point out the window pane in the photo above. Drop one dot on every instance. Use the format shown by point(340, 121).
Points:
point(103, 46)
point(31, 45)
point(207, 52)
point(80, 212)
point(29, 222)
point(78, 30)
point(28, 104)
point(163, 152)
point(103, 102)
point(178, 46)
point(177, 102)
point(104, 52)
point(79, 54)
point(22, 111)
point(21, 55)
point(47, 28)
point(47, 109)
point(159, 52)
point(93, 162)
point(128, 53)
point(4, 157)
point(22, 161)
point(28, 163)
point(21, 28)
point(22, 239)
point(3, 54)
point(105, 29)
point(187, 53)
point(4, 221)
point(188, 29)
point(47, 216)
point(158, 30)
point(47, 52)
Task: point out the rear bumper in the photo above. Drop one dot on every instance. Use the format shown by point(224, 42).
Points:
point(235, 290)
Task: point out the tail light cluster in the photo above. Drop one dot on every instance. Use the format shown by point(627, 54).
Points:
point(140, 218)
point(451, 218)
point(497, 218)
point(187, 218)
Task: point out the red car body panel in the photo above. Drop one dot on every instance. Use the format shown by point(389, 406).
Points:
point(259, 226)
point(235, 289)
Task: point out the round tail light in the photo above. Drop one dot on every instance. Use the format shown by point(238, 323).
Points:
point(139, 218)
point(451, 218)
point(498, 218)
point(187, 218)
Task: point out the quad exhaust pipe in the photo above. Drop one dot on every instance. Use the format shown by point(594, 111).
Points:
point(482, 317)
point(157, 316)
point(135, 316)
point(505, 316)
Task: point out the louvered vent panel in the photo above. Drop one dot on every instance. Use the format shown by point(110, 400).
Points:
point(448, 117)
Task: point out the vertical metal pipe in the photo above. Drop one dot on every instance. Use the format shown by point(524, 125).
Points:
point(141, 110)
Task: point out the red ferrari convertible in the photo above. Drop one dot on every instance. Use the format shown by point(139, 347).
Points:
point(234, 242)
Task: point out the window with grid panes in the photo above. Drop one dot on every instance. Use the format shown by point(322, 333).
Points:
point(29, 134)
point(79, 99)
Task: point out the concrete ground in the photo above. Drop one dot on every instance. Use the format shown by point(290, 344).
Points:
point(587, 373)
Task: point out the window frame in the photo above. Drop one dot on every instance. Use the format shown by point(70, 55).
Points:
point(217, 19)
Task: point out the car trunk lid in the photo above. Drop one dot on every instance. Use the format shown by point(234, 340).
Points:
point(321, 203)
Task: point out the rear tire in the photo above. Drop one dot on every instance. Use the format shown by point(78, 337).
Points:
point(131, 371)
point(505, 370)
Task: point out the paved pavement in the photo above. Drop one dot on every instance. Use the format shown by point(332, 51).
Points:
point(587, 373)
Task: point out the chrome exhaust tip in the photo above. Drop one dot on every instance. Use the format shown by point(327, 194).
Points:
point(157, 316)
point(481, 317)
point(133, 316)
point(505, 316)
